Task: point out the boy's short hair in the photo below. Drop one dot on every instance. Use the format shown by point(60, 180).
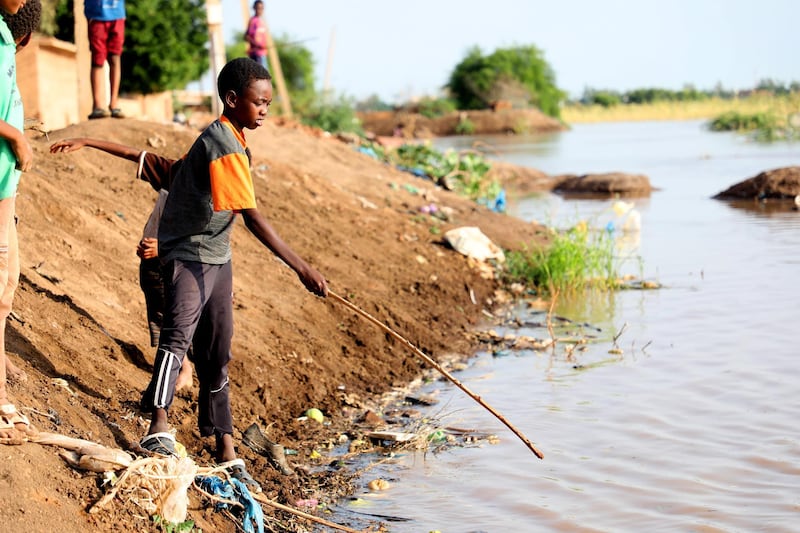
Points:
point(25, 21)
point(238, 73)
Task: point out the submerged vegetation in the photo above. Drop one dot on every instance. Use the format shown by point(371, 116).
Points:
point(779, 121)
point(575, 259)
point(588, 255)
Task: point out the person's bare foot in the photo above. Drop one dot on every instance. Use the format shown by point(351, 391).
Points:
point(185, 376)
point(14, 374)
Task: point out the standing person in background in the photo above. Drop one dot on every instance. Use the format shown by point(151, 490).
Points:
point(16, 156)
point(106, 37)
point(256, 35)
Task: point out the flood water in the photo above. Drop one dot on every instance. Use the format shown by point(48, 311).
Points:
point(695, 426)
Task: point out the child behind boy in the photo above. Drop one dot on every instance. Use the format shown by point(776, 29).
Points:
point(212, 186)
point(150, 278)
point(17, 21)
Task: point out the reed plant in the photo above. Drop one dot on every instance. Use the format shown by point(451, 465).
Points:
point(572, 260)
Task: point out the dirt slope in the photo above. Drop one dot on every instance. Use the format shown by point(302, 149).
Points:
point(79, 313)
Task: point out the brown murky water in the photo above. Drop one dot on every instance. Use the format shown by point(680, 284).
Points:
point(694, 427)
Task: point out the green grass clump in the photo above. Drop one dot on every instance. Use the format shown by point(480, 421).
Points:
point(736, 121)
point(574, 259)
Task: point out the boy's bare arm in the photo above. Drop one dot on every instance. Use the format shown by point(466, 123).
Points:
point(19, 144)
point(119, 150)
point(258, 226)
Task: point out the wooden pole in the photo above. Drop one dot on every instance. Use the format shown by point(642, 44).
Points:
point(245, 13)
point(83, 59)
point(326, 87)
point(277, 73)
point(441, 370)
point(216, 50)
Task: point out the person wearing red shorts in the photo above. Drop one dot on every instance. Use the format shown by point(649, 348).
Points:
point(106, 37)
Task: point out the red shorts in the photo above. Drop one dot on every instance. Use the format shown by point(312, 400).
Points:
point(105, 37)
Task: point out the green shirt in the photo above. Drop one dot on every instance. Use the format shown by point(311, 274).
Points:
point(10, 111)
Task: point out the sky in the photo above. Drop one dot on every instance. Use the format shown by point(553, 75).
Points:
point(402, 50)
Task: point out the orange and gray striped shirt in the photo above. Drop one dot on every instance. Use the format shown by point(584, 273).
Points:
point(212, 184)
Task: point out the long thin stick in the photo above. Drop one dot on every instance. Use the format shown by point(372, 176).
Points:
point(263, 499)
point(438, 367)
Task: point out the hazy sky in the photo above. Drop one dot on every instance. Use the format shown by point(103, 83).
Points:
point(409, 48)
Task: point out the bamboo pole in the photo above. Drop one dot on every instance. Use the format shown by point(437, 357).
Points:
point(439, 368)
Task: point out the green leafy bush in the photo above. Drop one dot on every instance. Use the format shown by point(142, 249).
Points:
point(465, 127)
point(164, 48)
point(735, 121)
point(435, 107)
point(519, 75)
point(337, 116)
point(464, 172)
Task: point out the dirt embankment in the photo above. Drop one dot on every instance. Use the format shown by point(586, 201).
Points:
point(485, 122)
point(79, 330)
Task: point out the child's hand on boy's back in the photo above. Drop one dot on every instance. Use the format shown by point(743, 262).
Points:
point(147, 248)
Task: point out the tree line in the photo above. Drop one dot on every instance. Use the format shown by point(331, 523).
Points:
point(610, 98)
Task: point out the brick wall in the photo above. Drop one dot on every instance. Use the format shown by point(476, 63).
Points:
point(51, 84)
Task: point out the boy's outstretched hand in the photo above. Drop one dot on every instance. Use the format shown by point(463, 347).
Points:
point(67, 145)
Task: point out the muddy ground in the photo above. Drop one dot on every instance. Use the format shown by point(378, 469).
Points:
point(79, 331)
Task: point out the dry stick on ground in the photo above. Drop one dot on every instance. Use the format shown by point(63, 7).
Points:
point(439, 368)
point(276, 505)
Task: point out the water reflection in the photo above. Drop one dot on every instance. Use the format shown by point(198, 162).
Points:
point(692, 427)
point(768, 208)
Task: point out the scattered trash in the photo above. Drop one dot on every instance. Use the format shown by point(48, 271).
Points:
point(393, 436)
point(309, 503)
point(60, 382)
point(315, 415)
point(437, 436)
point(235, 492)
point(255, 439)
point(378, 484)
point(410, 188)
point(429, 209)
point(470, 241)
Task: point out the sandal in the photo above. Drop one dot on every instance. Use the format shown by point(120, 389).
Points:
point(162, 443)
point(10, 418)
point(237, 471)
point(117, 113)
point(98, 113)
